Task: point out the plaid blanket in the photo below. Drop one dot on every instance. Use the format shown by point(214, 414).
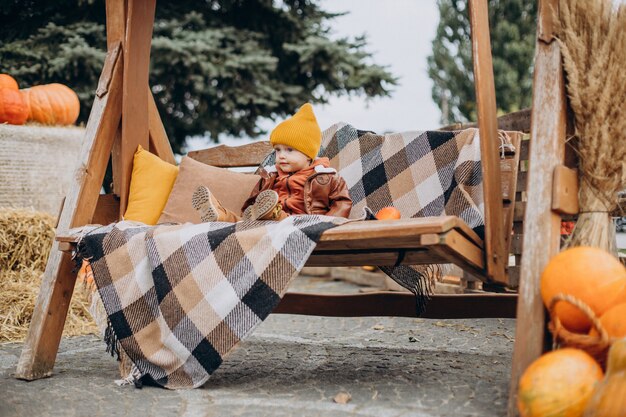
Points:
point(421, 173)
point(430, 173)
point(178, 298)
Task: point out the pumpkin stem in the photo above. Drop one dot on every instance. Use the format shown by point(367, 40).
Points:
point(617, 357)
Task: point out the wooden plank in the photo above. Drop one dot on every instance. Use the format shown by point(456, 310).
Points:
point(495, 247)
point(399, 304)
point(519, 211)
point(565, 190)
point(514, 274)
point(457, 249)
point(508, 214)
point(115, 22)
point(541, 224)
point(351, 235)
point(507, 181)
point(404, 241)
point(522, 180)
point(524, 150)
point(382, 234)
point(116, 34)
point(66, 246)
point(380, 257)
point(517, 244)
point(515, 121)
point(107, 209)
point(510, 166)
point(135, 96)
point(44, 334)
point(248, 155)
point(159, 143)
point(372, 235)
point(58, 218)
point(378, 234)
point(116, 165)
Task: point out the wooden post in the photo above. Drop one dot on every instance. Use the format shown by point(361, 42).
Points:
point(122, 89)
point(44, 334)
point(541, 224)
point(495, 245)
point(116, 33)
point(140, 18)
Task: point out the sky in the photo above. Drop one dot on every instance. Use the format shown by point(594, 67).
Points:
point(399, 35)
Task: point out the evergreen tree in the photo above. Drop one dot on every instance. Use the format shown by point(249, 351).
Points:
point(217, 66)
point(512, 26)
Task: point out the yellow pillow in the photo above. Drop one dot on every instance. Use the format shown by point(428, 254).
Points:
point(150, 185)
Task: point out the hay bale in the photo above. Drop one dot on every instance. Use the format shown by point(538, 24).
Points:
point(25, 241)
point(593, 43)
point(36, 165)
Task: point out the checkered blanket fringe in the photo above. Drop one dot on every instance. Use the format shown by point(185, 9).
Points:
point(178, 298)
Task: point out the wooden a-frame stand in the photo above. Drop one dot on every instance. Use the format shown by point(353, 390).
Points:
point(124, 115)
point(123, 89)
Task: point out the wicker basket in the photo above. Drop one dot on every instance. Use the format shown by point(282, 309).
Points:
point(597, 346)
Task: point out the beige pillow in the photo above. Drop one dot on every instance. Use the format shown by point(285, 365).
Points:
point(231, 188)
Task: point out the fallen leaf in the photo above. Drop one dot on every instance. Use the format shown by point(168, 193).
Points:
point(342, 398)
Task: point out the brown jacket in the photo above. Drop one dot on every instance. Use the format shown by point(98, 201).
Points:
point(324, 192)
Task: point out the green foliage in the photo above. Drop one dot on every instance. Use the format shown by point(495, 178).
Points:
point(512, 28)
point(217, 67)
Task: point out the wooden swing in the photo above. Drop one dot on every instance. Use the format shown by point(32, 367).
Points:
point(124, 115)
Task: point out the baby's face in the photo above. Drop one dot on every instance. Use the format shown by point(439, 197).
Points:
point(289, 159)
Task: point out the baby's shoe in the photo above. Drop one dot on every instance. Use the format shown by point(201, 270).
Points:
point(265, 207)
point(209, 207)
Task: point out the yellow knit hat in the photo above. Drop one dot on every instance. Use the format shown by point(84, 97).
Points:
point(300, 132)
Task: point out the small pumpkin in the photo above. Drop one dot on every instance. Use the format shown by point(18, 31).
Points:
point(609, 398)
point(6, 81)
point(13, 110)
point(592, 275)
point(52, 104)
point(613, 321)
point(388, 213)
point(559, 383)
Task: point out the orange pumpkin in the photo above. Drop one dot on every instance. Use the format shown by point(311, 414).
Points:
point(613, 321)
point(590, 274)
point(13, 110)
point(6, 81)
point(52, 104)
point(388, 213)
point(609, 398)
point(559, 383)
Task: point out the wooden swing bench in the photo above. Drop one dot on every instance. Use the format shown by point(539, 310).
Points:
point(522, 206)
point(426, 240)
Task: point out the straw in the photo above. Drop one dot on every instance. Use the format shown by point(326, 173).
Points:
point(25, 241)
point(593, 41)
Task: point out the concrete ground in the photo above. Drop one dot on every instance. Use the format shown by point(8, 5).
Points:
point(295, 366)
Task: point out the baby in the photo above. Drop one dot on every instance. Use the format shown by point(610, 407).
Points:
point(299, 183)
